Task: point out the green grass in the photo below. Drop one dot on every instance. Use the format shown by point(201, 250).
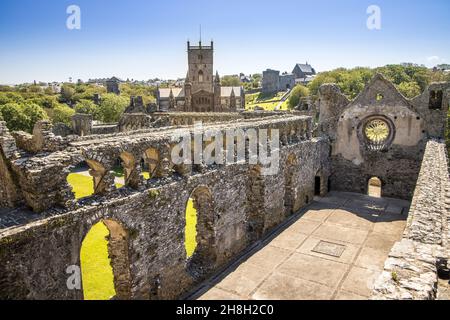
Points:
point(190, 231)
point(96, 271)
point(82, 186)
point(267, 102)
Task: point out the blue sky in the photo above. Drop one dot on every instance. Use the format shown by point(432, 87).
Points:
point(144, 39)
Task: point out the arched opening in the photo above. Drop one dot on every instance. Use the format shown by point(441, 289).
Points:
point(119, 173)
point(200, 76)
point(81, 181)
point(199, 233)
point(104, 262)
point(291, 204)
point(374, 187)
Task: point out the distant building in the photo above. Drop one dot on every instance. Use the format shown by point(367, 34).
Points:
point(303, 70)
point(112, 85)
point(201, 91)
point(304, 73)
point(273, 82)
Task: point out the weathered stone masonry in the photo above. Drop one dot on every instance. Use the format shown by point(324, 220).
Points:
point(411, 271)
point(34, 256)
point(42, 231)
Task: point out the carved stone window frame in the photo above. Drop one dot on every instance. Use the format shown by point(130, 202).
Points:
point(369, 145)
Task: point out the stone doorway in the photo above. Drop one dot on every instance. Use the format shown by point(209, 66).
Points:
point(374, 187)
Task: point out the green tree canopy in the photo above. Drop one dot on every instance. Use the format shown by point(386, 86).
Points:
point(14, 116)
point(230, 81)
point(62, 113)
point(111, 107)
point(297, 93)
point(67, 93)
point(409, 89)
point(34, 113)
point(86, 107)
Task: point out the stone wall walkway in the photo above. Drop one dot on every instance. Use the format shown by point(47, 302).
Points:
point(334, 249)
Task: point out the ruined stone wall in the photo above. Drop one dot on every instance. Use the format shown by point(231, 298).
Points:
point(355, 159)
point(411, 270)
point(34, 256)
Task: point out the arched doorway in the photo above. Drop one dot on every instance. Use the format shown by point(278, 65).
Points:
point(104, 262)
point(199, 233)
point(81, 181)
point(317, 183)
point(374, 187)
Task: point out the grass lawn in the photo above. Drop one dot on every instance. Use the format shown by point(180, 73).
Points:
point(267, 102)
point(190, 231)
point(82, 186)
point(96, 270)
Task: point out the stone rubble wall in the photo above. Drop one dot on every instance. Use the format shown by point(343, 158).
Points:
point(411, 270)
point(35, 254)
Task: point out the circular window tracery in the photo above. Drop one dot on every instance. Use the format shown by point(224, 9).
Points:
point(377, 131)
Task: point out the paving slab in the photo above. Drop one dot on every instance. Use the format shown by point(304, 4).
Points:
point(283, 287)
point(348, 255)
point(360, 281)
point(371, 258)
point(314, 269)
point(341, 233)
point(244, 280)
point(328, 252)
point(352, 220)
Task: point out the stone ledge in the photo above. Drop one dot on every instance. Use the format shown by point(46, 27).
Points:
point(410, 272)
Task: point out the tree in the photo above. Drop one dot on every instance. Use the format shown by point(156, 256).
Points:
point(111, 107)
point(62, 113)
point(34, 113)
point(7, 97)
point(67, 93)
point(297, 93)
point(86, 107)
point(230, 81)
point(409, 89)
point(14, 116)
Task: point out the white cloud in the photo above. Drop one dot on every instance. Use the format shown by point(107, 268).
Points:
point(434, 60)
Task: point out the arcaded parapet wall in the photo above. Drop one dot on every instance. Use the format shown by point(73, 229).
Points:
point(236, 205)
point(379, 134)
point(411, 270)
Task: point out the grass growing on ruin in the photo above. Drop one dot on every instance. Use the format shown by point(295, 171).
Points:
point(96, 270)
point(146, 175)
point(190, 231)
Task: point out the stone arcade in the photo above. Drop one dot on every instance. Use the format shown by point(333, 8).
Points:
point(379, 134)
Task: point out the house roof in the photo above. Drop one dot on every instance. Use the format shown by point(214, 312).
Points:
point(307, 68)
point(164, 93)
point(114, 79)
point(226, 91)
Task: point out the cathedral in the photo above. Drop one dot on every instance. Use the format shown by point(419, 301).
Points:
point(202, 91)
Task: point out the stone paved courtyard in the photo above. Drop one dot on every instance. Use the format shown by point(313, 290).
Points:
point(334, 249)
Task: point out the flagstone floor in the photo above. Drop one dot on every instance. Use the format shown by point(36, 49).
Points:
point(335, 249)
